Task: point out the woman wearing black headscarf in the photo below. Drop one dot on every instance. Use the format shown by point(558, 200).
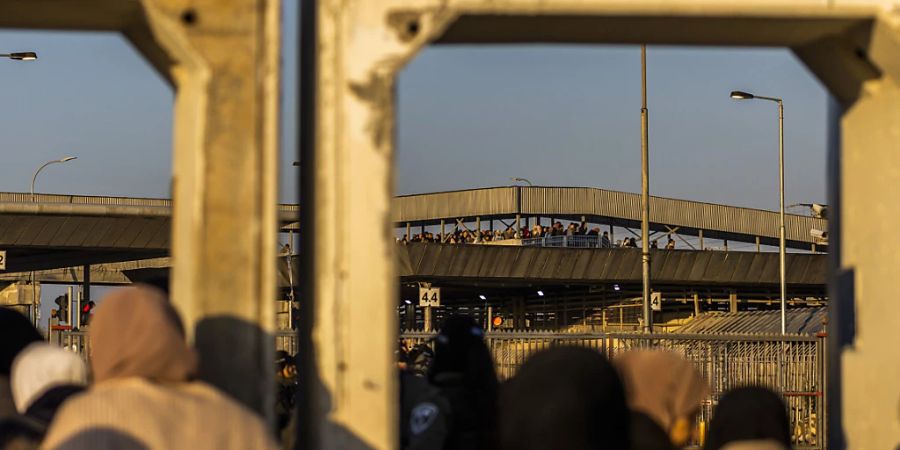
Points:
point(749, 418)
point(565, 398)
point(16, 333)
point(463, 370)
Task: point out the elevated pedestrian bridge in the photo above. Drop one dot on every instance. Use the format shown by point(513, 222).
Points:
point(732, 223)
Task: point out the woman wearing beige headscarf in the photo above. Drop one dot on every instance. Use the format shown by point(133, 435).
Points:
point(664, 392)
point(145, 395)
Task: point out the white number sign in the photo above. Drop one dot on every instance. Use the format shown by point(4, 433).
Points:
point(429, 296)
point(656, 301)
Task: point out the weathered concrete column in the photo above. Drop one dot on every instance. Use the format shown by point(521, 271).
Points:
point(348, 174)
point(224, 231)
point(863, 324)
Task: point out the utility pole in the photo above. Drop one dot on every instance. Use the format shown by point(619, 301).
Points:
point(645, 194)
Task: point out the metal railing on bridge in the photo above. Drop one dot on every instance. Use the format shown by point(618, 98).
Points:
point(576, 241)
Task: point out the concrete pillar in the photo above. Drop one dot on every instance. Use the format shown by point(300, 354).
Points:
point(428, 325)
point(410, 317)
point(864, 394)
point(519, 313)
point(225, 69)
point(700, 234)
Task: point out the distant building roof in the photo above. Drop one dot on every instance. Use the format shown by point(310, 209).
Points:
point(803, 321)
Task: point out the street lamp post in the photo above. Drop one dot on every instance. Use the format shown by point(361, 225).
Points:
point(521, 180)
point(36, 172)
point(739, 95)
point(20, 56)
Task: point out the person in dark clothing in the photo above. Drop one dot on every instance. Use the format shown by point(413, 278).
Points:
point(425, 414)
point(463, 370)
point(753, 416)
point(565, 398)
point(16, 333)
point(419, 359)
point(286, 376)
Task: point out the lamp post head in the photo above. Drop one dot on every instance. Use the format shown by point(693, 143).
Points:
point(741, 95)
point(68, 158)
point(23, 56)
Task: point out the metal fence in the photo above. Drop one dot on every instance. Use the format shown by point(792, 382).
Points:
point(792, 365)
point(73, 341)
point(576, 241)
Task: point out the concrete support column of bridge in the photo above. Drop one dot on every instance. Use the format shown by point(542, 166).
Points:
point(519, 313)
point(225, 70)
point(863, 249)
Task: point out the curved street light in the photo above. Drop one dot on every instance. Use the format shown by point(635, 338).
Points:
point(521, 180)
point(36, 172)
point(20, 56)
point(741, 95)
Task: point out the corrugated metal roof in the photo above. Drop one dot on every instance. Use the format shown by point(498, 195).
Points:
point(605, 265)
point(805, 321)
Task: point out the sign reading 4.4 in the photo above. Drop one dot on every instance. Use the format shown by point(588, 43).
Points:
point(429, 296)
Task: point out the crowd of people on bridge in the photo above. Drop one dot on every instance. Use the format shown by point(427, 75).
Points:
point(595, 238)
point(142, 391)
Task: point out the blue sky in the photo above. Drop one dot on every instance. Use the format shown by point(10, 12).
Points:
point(467, 117)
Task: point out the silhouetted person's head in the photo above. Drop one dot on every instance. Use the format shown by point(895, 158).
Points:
point(16, 333)
point(749, 414)
point(565, 398)
point(666, 388)
point(459, 348)
point(464, 371)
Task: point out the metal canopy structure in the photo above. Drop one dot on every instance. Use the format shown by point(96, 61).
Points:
point(608, 207)
point(807, 321)
point(486, 263)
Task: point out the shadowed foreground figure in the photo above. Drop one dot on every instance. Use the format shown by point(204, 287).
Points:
point(463, 371)
point(565, 398)
point(144, 394)
point(749, 418)
point(16, 333)
point(664, 392)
